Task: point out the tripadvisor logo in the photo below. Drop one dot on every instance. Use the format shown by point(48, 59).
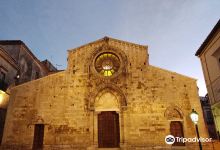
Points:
point(170, 139)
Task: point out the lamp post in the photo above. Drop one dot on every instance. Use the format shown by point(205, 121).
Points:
point(195, 117)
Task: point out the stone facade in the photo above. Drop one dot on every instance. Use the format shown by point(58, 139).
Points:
point(146, 98)
point(209, 54)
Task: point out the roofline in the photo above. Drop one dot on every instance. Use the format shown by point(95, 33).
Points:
point(106, 39)
point(208, 38)
point(19, 42)
point(176, 73)
point(31, 81)
point(11, 42)
point(9, 59)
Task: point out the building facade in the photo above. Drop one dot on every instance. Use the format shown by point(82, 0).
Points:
point(8, 69)
point(17, 59)
point(209, 54)
point(17, 65)
point(208, 116)
point(108, 97)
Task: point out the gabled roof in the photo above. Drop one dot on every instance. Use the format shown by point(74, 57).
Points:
point(107, 39)
point(208, 38)
point(18, 42)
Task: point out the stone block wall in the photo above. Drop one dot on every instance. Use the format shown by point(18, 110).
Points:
point(148, 99)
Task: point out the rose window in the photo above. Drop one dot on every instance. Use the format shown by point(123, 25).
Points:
point(107, 64)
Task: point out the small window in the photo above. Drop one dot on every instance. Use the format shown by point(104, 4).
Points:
point(176, 129)
point(2, 77)
point(3, 84)
point(216, 54)
point(38, 137)
point(37, 75)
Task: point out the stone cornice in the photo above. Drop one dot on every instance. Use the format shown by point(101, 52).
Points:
point(8, 58)
point(25, 48)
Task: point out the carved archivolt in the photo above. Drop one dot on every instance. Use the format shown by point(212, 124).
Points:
point(108, 97)
point(173, 113)
point(107, 101)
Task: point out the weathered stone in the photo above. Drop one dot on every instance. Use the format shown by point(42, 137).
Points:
point(68, 103)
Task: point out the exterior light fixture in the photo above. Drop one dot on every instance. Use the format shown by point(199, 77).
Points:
point(195, 118)
point(17, 76)
point(4, 98)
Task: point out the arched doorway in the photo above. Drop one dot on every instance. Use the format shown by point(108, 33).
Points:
point(175, 116)
point(107, 119)
point(108, 101)
point(108, 129)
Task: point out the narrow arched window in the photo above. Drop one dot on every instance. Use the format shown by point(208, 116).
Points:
point(37, 75)
point(176, 129)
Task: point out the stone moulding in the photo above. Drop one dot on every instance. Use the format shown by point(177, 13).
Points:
point(111, 89)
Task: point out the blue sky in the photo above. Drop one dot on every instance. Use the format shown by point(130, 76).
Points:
point(173, 29)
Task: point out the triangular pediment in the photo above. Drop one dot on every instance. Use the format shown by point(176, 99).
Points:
point(106, 40)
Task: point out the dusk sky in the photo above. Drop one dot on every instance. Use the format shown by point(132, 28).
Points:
point(172, 29)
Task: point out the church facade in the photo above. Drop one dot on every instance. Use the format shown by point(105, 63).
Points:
point(108, 97)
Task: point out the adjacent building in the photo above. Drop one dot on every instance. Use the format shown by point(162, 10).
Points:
point(209, 54)
point(17, 65)
point(108, 97)
point(208, 116)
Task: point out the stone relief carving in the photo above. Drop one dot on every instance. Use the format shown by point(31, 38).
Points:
point(173, 112)
point(121, 99)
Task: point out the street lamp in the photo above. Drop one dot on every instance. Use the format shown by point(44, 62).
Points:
point(195, 118)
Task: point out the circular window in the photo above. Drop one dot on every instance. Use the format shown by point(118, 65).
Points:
point(107, 64)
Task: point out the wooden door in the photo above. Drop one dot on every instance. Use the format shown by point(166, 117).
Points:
point(108, 129)
point(38, 137)
point(176, 130)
